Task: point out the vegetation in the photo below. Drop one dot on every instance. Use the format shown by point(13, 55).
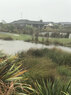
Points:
point(10, 78)
point(36, 72)
point(28, 29)
point(46, 72)
point(36, 39)
point(47, 87)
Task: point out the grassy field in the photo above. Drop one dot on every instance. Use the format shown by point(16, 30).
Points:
point(47, 41)
point(15, 36)
point(64, 41)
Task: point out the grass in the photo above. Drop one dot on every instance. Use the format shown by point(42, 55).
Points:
point(36, 72)
point(47, 63)
point(64, 41)
point(50, 65)
point(15, 37)
point(11, 76)
point(56, 55)
point(64, 70)
point(22, 37)
point(47, 87)
point(25, 37)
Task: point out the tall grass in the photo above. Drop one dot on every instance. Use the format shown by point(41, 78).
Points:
point(11, 75)
point(36, 72)
point(56, 55)
point(46, 63)
point(47, 87)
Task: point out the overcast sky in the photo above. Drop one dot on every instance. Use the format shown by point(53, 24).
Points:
point(47, 10)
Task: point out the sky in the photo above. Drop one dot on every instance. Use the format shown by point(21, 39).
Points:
point(47, 10)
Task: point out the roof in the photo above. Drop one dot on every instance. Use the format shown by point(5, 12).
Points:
point(29, 22)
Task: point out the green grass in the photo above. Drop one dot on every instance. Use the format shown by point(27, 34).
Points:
point(19, 37)
point(64, 41)
point(22, 37)
point(49, 87)
point(64, 70)
point(25, 37)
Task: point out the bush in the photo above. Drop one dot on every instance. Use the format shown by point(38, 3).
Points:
point(59, 57)
point(56, 55)
point(36, 53)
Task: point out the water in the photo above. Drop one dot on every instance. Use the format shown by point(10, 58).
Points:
point(13, 47)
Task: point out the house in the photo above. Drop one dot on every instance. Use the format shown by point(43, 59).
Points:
point(29, 22)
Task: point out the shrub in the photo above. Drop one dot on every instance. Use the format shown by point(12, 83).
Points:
point(56, 55)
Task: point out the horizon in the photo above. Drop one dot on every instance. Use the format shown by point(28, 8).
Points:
point(35, 20)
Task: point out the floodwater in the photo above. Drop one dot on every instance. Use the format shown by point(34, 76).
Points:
point(13, 47)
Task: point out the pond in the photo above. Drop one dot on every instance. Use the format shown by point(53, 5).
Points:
point(13, 47)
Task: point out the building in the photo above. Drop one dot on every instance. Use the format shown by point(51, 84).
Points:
point(29, 22)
